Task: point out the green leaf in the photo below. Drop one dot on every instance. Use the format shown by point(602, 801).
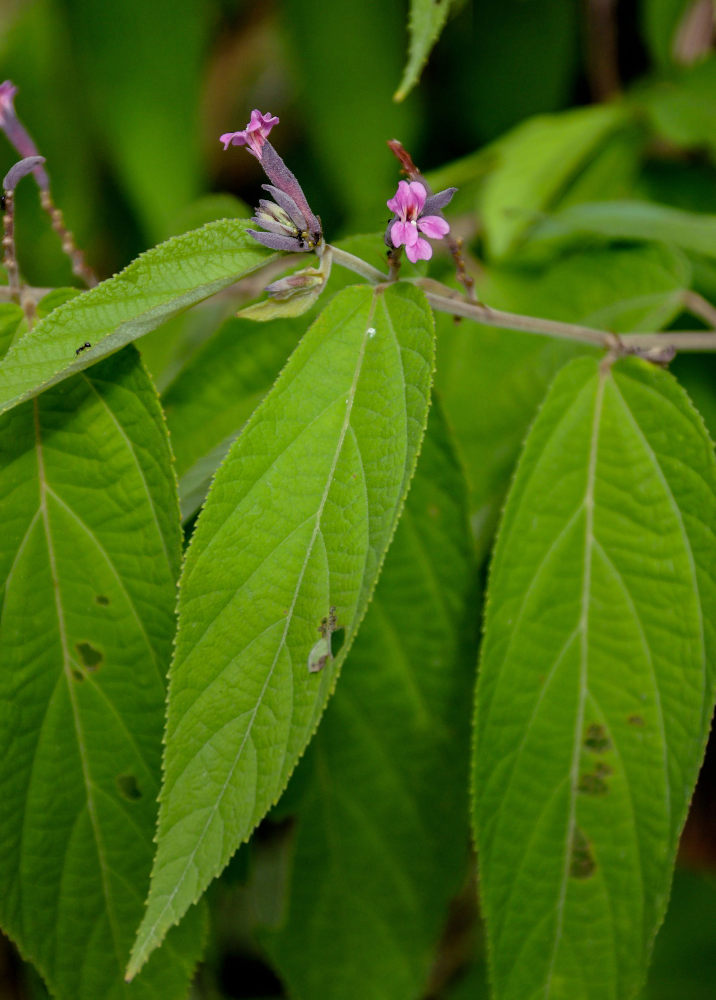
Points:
point(634, 220)
point(382, 827)
point(298, 520)
point(596, 683)
point(159, 284)
point(535, 162)
point(89, 556)
point(425, 22)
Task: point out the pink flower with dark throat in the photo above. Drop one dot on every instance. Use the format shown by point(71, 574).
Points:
point(254, 135)
point(412, 207)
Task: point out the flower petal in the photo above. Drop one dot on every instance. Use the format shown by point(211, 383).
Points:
point(404, 233)
point(418, 195)
point(420, 250)
point(433, 226)
point(232, 139)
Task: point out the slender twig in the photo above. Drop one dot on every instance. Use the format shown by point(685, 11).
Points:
point(443, 299)
point(486, 316)
point(697, 305)
point(358, 266)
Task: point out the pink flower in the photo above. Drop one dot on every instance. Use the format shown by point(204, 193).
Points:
point(410, 203)
point(254, 135)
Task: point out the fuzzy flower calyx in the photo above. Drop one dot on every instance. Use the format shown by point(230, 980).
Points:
point(254, 135)
point(413, 212)
point(287, 222)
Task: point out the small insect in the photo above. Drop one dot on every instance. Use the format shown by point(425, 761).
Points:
point(321, 652)
point(82, 347)
point(3, 202)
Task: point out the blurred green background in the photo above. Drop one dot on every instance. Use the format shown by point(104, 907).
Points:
point(127, 98)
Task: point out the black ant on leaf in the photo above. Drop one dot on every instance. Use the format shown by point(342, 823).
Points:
point(82, 347)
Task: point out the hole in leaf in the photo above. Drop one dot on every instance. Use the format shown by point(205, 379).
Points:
point(582, 863)
point(91, 657)
point(128, 787)
point(77, 675)
point(102, 599)
point(596, 738)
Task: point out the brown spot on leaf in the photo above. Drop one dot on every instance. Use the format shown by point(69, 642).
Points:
point(102, 599)
point(596, 738)
point(91, 657)
point(592, 784)
point(635, 720)
point(77, 675)
point(582, 863)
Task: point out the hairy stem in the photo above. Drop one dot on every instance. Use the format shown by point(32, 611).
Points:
point(444, 299)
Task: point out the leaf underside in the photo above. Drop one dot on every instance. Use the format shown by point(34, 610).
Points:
point(297, 522)
point(596, 681)
point(89, 555)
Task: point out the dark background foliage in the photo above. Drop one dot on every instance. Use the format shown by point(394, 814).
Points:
point(127, 99)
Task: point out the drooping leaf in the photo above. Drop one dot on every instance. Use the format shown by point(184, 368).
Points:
point(534, 163)
point(596, 682)
point(425, 22)
point(89, 556)
point(159, 284)
point(382, 828)
point(297, 522)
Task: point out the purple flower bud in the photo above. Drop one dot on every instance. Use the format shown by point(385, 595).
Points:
point(410, 205)
point(17, 133)
point(254, 135)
